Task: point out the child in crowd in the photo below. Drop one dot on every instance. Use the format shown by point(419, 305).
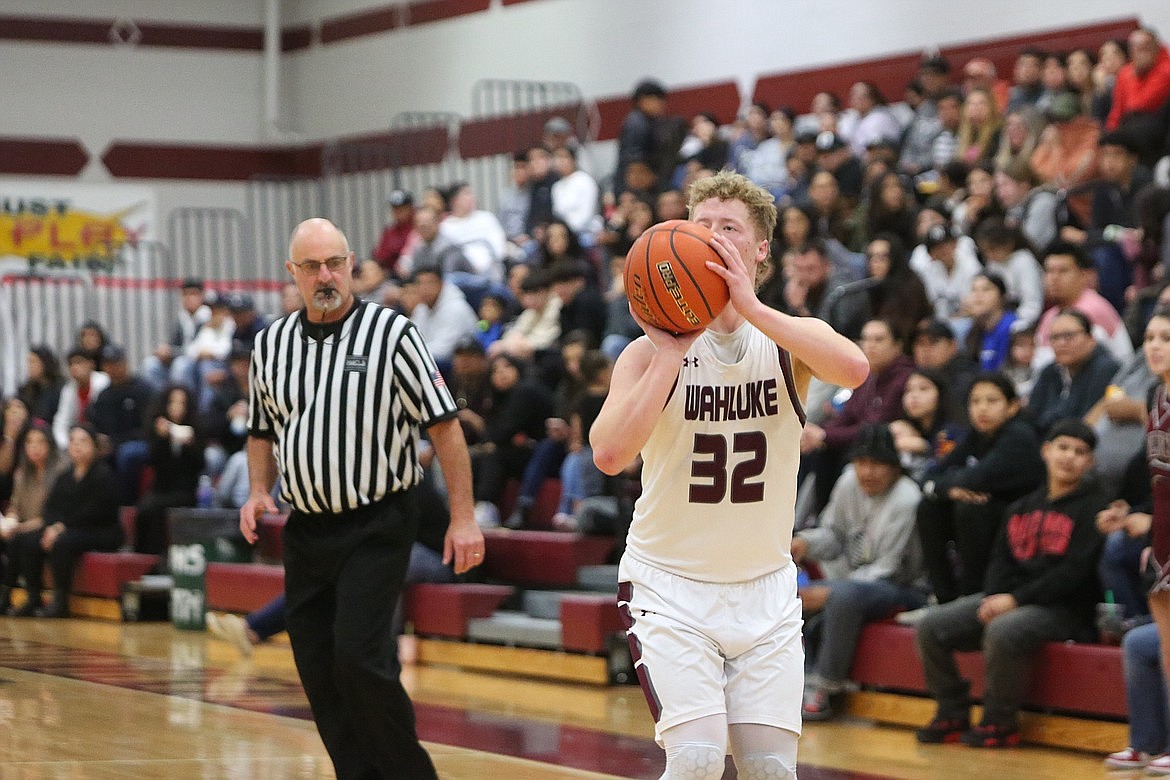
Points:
point(580, 477)
point(925, 433)
point(966, 493)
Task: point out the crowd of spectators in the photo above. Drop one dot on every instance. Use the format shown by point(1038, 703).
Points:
point(996, 245)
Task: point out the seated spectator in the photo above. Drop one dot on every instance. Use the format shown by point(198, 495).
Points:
point(494, 315)
point(703, 147)
point(203, 363)
point(1034, 592)
point(926, 432)
point(1111, 57)
point(1005, 252)
point(966, 492)
point(1026, 205)
point(83, 386)
point(120, 415)
point(1119, 420)
point(810, 280)
point(36, 468)
point(225, 422)
point(1066, 155)
point(549, 454)
point(1141, 91)
point(980, 73)
point(977, 202)
point(576, 198)
point(979, 128)
point(890, 290)
point(620, 326)
point(539, 324)
point(81, 515)
point(891, 209)
point(176, 458)
point(560, 244)
point(1145, 704)
point(1026, 78)
point(515, 204)
point(1022, 128)
point(41, 389)
point(872, 118)
point(828, 206)
point(1125, 525)
point(1114, 200)
point(1077, 377)
point(946, 264)
point(476, 232)
point(989, 340)
point(470, 387)
point(193, 312)
point(442, 314)
point(767, 165)
point(16, 420)
point(250, 322)
point(397, 235)
point(935, 347)
point(878, 399)
point(514, 422)
point(91, 339)
point(1068, 284)
point(1019, 366)
point(866, 545)
point(582, 305)
point(433, 250)
point(835, 158)
point(580, 477)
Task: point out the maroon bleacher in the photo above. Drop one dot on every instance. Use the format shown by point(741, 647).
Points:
point(444, 609)
point(242, 587)
point(103, 574)
point(588, 620)
point(1067, 676)
point(541, 558)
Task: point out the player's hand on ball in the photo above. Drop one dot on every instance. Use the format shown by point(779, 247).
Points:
point(735, 271)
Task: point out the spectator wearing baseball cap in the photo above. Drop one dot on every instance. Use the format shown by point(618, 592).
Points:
point(120, 414)
point(875, 500)
point(398, 233)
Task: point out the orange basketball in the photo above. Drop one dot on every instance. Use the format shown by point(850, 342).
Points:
point(667, 279)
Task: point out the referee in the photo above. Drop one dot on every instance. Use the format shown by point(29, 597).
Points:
point(339, 393)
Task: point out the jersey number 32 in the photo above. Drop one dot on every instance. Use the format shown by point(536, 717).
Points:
point(709, 468)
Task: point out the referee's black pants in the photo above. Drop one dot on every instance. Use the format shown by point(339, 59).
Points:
point(343, 576)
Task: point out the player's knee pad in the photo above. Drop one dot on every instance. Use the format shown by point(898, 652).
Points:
point(765, 766)
point(694, 761)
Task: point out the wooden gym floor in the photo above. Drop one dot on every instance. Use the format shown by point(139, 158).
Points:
point(95, 700)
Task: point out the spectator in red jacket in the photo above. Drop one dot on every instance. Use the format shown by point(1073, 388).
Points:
point(1142, 87)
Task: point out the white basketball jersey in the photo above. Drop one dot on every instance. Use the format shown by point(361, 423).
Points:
point(719, 474)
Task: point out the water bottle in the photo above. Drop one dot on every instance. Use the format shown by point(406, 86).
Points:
point(204, 493)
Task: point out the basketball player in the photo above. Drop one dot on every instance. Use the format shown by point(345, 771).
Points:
point(706, 585)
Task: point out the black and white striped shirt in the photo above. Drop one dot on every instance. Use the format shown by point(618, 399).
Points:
point(344, 410)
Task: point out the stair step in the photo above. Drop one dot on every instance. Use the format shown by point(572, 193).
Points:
point(602, 579)
point(545, 604)
point(516, 629)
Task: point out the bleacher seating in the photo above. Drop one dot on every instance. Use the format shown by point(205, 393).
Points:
point(541, 558)
point(1082, 679)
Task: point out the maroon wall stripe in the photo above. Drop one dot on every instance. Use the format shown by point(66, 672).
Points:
point(64, 30)
point(42, 156)
point(379, 20)
point(160, 161)
point(362, 23)
point(296, 38)
point(891, 74)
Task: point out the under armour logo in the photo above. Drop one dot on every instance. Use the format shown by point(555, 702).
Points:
point(689, 361)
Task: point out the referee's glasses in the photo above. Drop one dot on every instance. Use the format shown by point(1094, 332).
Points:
point(313, 267)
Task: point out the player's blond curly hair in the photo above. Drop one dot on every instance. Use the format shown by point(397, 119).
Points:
point(761, 206)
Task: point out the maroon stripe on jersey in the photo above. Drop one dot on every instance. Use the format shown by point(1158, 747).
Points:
point(625, 593)
point(790, 383)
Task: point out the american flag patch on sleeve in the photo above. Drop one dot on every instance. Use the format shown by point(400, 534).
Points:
point(437, 379)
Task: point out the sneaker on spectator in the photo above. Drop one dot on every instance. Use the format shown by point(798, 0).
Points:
point(943, 730)
point(911, 617)
point(487, 514)
point(1159, 766)
point(991, 735)
point(1128, 759)
point(563, 521)
point(230, 628)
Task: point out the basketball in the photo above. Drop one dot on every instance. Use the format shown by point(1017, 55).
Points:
point(667, 279)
